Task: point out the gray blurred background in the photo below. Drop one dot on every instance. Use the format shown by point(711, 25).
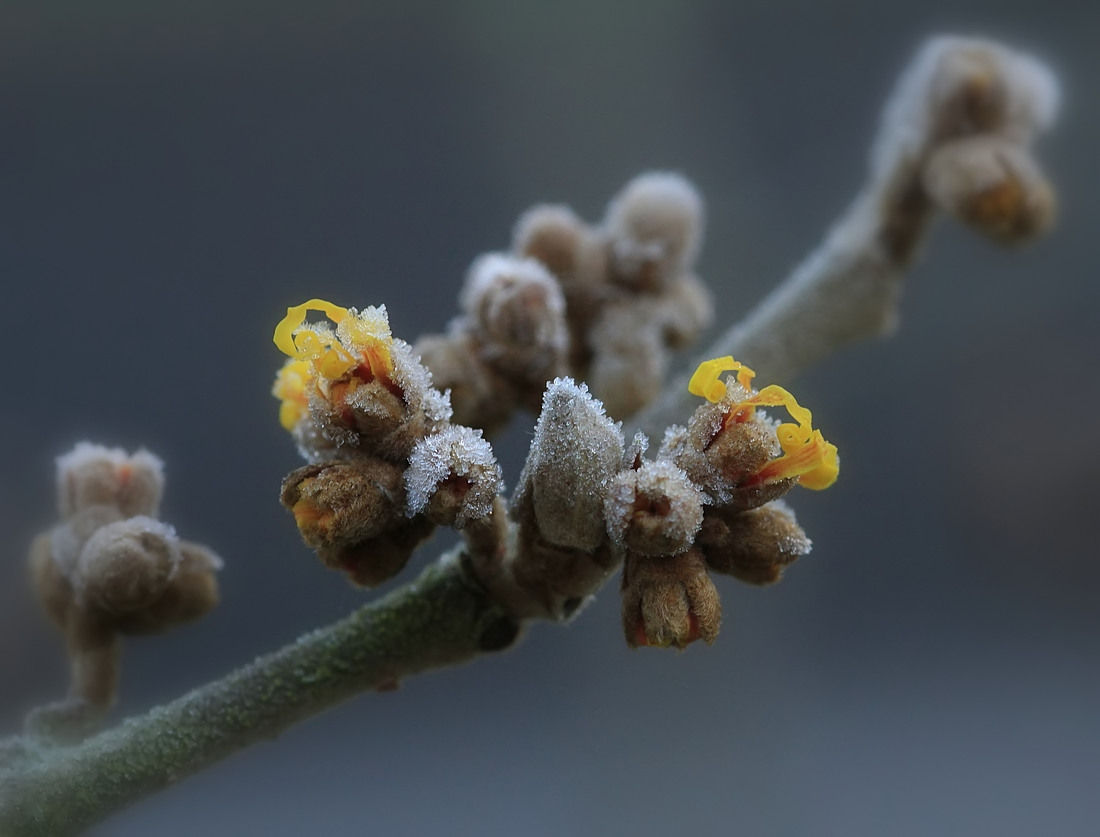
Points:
point(173, 175)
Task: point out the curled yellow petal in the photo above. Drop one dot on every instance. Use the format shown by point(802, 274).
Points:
point(806, 454)
point(706, 382)
point(290, 389)
point(295, 316)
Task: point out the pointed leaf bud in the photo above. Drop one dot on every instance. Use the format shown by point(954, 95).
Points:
point(576, 451)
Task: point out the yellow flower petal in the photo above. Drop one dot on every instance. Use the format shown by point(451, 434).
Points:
point(806, 454)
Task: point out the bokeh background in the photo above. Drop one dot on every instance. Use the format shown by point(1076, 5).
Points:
point(173, 175)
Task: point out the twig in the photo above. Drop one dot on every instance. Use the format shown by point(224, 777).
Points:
point(438, 620)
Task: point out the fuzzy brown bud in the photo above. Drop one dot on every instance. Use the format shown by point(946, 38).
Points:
point(655, 227)
point(107, 570)
point(518, 311)
point(754, 546)
point(126, 566)
point(993, 185)
point(669, 600)
point(353, 515)
point(94, 475)
point(721, 454)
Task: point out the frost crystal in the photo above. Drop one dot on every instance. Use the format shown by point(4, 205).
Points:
point(455, 452)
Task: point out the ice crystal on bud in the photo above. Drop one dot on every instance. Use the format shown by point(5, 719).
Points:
point(458, 466)
point(654, 509)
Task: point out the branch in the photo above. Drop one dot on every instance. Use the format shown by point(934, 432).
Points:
point(954, 138)
point(439, 620)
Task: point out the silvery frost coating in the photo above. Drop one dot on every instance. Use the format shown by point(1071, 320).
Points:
point(111, 568)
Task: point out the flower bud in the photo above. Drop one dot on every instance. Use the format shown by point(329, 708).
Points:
point(655, 227)
point(653, 510)
point(553, 235)
point(518, 312)
point(722, 458)
point(126, 566)
point(192, 592)
point(337, 502)
point(755, 546)
point(110, 568)
point(992, 185)
point(94, 475)
point(669, 600)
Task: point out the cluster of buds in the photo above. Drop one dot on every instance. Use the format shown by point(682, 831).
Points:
point(959, 131)
point(509, 341)
point(605, 303)
point(708, 502)
point(631, 296)
point(111, 568)
point(386, 465)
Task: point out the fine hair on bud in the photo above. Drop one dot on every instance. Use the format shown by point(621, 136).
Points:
point(669, 601)
point(519, 312)
point(754, 546)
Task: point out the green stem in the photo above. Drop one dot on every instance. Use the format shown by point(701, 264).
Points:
point(440, 619)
